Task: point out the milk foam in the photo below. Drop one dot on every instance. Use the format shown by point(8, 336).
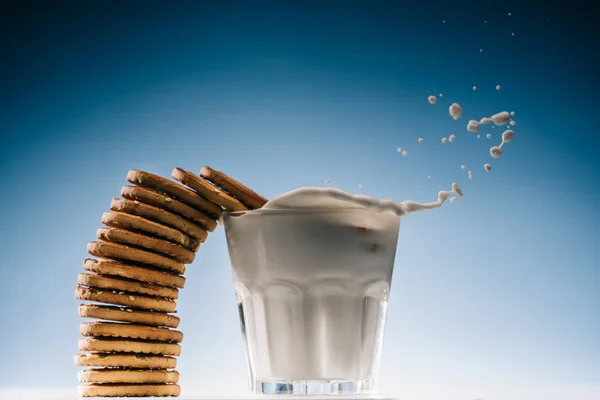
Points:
point(321, 198)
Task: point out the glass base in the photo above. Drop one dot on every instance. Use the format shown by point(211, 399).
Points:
point(333, 387)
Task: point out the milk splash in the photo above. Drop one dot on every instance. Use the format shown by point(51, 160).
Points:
point(321, 198)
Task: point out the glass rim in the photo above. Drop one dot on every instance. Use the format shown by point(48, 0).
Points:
point(296, 210)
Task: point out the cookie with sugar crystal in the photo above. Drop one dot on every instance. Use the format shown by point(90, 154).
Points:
point(134, 316)
point(106, 375)
point(108, 296)
point(118, 251)
point(208, 190)
point(159, 200)
point(116, 390)
point(166, 218)
point(128, 238)
point(174, 190)
point(122, 286)
point(128, 346)
point(125, 361)
point(111, 329)
point(135, 272)
point(134, 223)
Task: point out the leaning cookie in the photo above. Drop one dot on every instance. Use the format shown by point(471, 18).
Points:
point(135, 272)
point(127, 253)
point(134, 207)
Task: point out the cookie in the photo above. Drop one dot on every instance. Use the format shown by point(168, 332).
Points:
point(125, 360)
point(241, 192)
point(174, 190)
point(128, 315)
point(126, 299)
point(110, 329)
point(108, 390)
point(117, 219)
point(133, 239)
point(114, 268)
point(136, 193)
point(106, 375)
point(110, 345)
point(121, 252)
point(134, 207)
point(208, 190)
point(122, 286)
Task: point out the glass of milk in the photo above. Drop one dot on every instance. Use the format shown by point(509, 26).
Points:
point(312, 287)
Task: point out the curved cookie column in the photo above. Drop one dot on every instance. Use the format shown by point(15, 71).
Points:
point(132, 286)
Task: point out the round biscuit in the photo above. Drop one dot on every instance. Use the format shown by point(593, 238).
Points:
point(138, 273)
point(120, 252)
point(108, 296)
point(125, 361)
point(129, 238)
point(122, 286)
point(175, 190)
point(109, 345)
point(134, 223)
point(108, 390)
point(159, 215)
point(119, 314)
point(159, 200)
point(106, 375)
point(110, 329)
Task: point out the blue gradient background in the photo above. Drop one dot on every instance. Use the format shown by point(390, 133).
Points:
point(495, 296)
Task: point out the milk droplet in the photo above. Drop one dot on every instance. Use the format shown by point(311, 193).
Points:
point(428, 176)
point(451, 138)
point(508, 135)
point(512, 113)
point(487, 167)
point(489, 136)
point(453, 199)
point(498, 87)
point(512, 34)
point(478, 136)
point(359, 185)
point(513, 123)
point(470, 172)
point(470, 176)
point(474, 87)
point(456, 189)
point(399, 149)
point(328, 181)
point(404, 153)
point(501, 118)
point(509, 14)
point(441, 95)
point(485, 121)
point(432, 99)
point(463, 166)
point(421, 140)
point(455, 111)
point(473, 126)
point(444, 140)
point(481, 51)
point(496, 152)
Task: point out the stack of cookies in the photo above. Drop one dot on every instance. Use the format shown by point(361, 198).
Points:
point(149, 235)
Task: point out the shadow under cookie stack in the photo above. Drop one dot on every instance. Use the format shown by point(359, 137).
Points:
point(149, 235)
